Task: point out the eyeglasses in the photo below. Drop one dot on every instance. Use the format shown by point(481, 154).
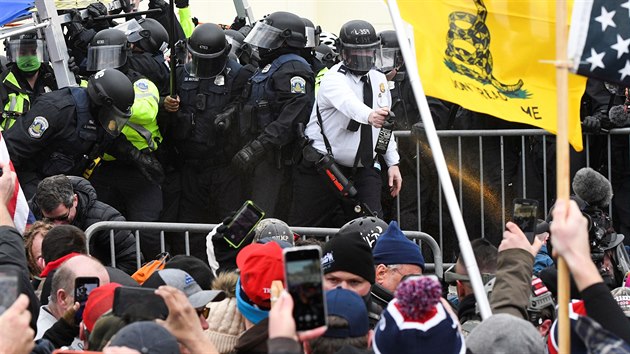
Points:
point(61, 218)
point(204, 311)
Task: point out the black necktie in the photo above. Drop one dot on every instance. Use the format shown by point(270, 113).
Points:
point(365, 152)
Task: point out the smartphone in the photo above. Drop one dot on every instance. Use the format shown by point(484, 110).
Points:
point(304, 281)
point(139, 303)
point(8, 290)
point(243, 223)
point(525, 216)
point(83, 286)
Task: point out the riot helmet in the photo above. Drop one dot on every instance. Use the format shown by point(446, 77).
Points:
point(108, 50)
point(112, 92)
point(26, 51)
point(324, 54)
point(276, 30)
point(389, 57)
point(237, 40)
point(152, 38)
point(312, 33)
point(369, 228)
point(209, 51)
point(358, 46)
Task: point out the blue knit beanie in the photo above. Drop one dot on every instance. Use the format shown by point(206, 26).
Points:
point(393, 247)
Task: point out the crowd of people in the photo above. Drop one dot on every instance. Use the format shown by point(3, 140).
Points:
point(299, 121)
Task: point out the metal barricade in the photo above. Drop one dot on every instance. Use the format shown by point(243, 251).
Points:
point(321, 233)
point(462, 180)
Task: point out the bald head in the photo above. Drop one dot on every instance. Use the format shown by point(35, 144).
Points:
point(62, 289)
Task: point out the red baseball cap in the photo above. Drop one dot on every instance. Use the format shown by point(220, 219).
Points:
point(99, 301)
point(260, 264)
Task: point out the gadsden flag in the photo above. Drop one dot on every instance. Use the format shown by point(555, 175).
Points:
point(493, 57)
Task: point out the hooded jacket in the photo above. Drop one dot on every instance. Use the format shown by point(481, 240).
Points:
point(89, 212)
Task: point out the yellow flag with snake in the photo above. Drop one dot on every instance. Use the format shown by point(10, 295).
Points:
point(493, 57)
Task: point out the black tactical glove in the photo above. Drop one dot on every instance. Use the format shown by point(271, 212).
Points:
point(221, 229)
point(591, 124)
point(223, 120)
point(249, 156)
point(75, 25)
point(96, 10)
point(180, 4)
point(239, 22)
point(72, 66)
point(148, 165)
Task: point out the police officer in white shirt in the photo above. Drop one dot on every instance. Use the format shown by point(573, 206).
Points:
point(351, 107)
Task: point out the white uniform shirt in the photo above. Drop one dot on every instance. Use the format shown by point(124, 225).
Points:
point(340, 99)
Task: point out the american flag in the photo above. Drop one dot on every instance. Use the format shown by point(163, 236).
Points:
point(599, 40)
point(18, 207)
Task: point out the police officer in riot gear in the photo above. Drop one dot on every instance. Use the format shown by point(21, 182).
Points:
point(66, 130)
point(122, 184)
point(147, 57)
point(241, 51)
point(203, 135)
point(279, 98)
point(345, 126)
point(27, 77)
point(312, 41)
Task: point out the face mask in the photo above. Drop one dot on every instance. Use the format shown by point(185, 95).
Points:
point(28, 63)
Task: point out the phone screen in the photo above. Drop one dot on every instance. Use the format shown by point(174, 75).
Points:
point(8, 290)
point(304, 281)
point(83, 286)
point(244, 221)
point(525, 216)
point(139, 303)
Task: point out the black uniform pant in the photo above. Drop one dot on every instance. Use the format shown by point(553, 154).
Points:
point(199, 193)
point(270, 188)
point(125, 188)
point(317, 203)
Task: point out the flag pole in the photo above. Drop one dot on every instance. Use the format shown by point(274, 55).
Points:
point(440, 162)
point(562, 165)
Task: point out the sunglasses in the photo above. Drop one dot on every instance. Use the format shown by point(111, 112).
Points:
point(204, 311)
point(62, 218)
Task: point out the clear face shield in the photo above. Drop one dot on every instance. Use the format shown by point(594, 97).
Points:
point(28, 54)
point(264, 36)
point(113, 119)
point(235, 50)
point(388, 59)
point(311, 40)
point(359, 58)
point(206, 66)
point(106, 57)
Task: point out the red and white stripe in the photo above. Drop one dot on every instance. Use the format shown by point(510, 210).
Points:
point(18, 206)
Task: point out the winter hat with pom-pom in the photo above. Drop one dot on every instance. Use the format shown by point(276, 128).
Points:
point(417, 322)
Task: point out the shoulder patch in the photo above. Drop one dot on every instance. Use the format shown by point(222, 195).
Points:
point(141, 85)
point(342, 69)
point(298, 85)
point(38, 127)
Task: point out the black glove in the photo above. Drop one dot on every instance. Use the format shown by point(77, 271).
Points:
point(591, 124)
point(221, 229)
point(149, 166)
point(223, 120)
point(239, 22)
point(72, 66)
point(158, 4)
point(75, 26)
point(249, 156)
point(180, 4)
point(96, 10)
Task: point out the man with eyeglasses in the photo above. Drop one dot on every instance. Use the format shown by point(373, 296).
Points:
point(72, 200)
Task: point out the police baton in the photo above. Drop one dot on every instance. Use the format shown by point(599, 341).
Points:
point(171, 43)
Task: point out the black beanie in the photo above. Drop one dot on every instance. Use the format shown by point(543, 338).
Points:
point(348, 254)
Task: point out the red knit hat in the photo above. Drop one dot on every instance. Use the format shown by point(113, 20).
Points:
point(99, 301)
point(260, 264)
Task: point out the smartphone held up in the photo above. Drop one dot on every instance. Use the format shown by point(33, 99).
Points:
point(525, 216)
point(304, 281)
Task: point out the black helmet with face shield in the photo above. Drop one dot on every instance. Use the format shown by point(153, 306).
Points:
point(112, 92)
point(27, 51)
point(389, 57)
point(312, 33)
point(209, 51)
point(359, 44)
point(108, 50)
point(278, 29)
